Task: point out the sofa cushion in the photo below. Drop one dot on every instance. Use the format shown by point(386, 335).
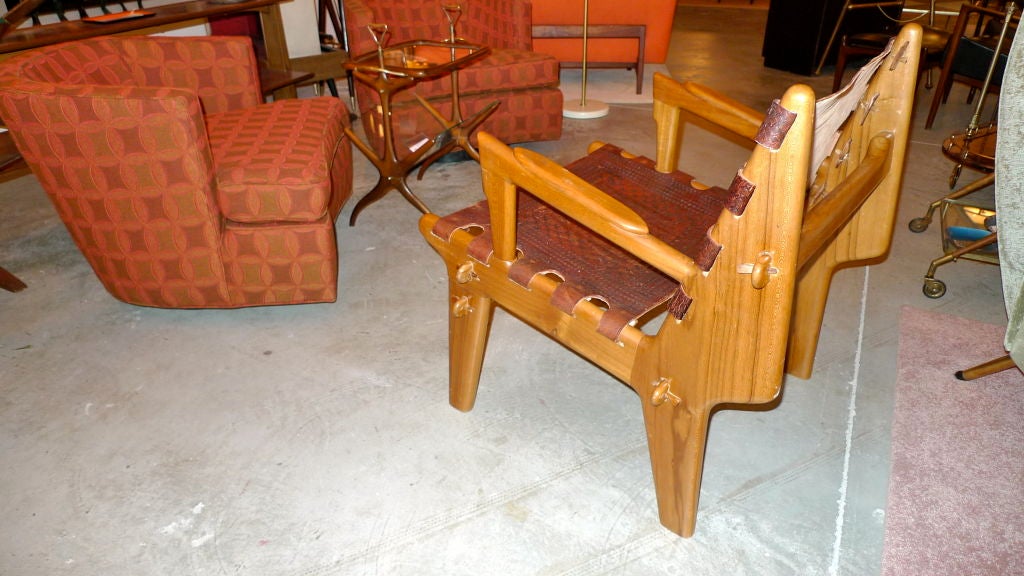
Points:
point(273, 162)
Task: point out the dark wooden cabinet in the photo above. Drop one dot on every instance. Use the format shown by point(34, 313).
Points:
point(798, 31)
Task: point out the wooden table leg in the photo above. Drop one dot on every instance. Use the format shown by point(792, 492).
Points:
point(10, 282)
point(986, 368)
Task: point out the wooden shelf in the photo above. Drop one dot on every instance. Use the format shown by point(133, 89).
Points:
point(164, 17)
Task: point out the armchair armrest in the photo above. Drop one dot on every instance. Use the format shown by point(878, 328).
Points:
point(969, 9)
point(826, 218)
point(168, 119)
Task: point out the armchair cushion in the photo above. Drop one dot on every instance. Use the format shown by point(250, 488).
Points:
point(273, 163)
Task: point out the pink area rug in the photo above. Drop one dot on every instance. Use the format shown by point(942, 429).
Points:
point(956, 493)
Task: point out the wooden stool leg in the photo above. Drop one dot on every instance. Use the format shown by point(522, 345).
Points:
point(468, 327)
point(676, 438)
point(986, 368)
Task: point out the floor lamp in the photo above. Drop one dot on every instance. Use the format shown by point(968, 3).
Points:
point(582, 108)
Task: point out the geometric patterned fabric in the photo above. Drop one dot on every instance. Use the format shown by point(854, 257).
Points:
point(525, 83)
point(180, 187)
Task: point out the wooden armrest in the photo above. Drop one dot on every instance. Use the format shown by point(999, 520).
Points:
point(709, 105)
point(572, 196)
point(577, 198)
point(826, 218)
point(676, 104)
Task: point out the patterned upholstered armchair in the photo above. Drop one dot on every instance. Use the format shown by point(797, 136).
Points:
point(179, 185)
point(525, 82)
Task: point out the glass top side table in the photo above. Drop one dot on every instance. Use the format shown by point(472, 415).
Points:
point(392, 69)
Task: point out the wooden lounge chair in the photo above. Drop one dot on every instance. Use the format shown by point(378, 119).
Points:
point(590, 253)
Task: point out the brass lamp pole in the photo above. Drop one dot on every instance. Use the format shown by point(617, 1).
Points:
point(582, 108)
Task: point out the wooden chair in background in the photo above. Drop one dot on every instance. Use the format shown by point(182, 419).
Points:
point(969, 55)
point(590, 253)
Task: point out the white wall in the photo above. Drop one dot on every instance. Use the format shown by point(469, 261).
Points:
point(300, 28)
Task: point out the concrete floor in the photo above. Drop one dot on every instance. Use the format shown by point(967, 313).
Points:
point(317, 440)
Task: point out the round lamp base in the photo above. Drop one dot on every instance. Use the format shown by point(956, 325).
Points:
point(577, 109)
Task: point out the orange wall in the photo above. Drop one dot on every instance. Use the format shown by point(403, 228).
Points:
point(657, 15)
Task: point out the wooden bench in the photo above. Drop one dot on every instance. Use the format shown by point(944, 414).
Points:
point(638, 31)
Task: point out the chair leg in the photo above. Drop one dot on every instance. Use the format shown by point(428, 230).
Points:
point(468, 327)
point(837, 78)
point(676, 438)
point(940, 95)
point(923, 66)
point(986, 368)
point(10, 282)
point(805, 323)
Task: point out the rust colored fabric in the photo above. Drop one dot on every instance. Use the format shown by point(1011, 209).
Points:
point(223, 74)
point(524, 82)
point(273, 162)
point(500, 24)
point(592, 267)
point(170, 206)
point(520, 68)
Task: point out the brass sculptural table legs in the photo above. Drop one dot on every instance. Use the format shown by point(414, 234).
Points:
point(393, 171)
point(456, 130)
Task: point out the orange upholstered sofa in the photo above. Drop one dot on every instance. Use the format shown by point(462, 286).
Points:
point(656, 15)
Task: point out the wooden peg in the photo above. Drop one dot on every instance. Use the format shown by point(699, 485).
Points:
point(663, 392)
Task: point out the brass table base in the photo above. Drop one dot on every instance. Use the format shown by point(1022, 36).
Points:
point(370, 69)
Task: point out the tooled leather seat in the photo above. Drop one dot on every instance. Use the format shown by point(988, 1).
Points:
point(591, 267)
